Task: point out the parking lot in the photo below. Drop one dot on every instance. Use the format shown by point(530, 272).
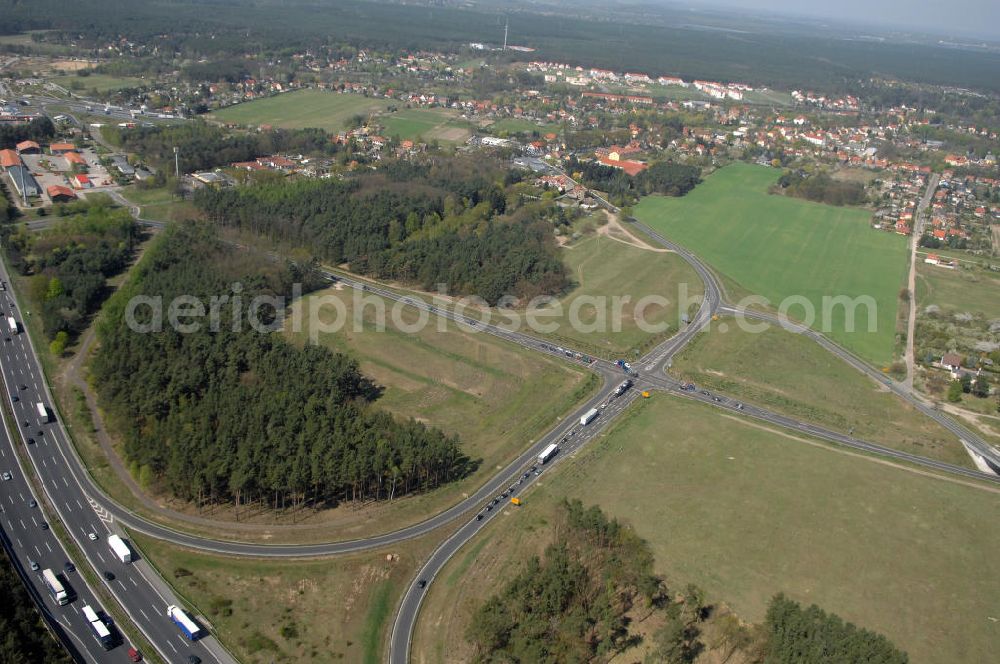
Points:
point(51, 169)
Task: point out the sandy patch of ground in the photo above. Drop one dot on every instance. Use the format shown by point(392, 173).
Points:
point(616, 231)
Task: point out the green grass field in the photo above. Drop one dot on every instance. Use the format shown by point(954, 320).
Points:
point(780, 247)
point(603, 269)
point(303, 108)
point(496, 396)
point(793, 375)
point(958, 290)
point(428, 124)
point(292, 611)
point(99, 82)
point(747, 512)
point(518, 125)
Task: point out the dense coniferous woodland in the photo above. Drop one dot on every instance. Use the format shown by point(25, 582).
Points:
point(582, 601)
point(239, 415)
point(424, 224)
point(797, 635)
point(571, 605)
point(202, 146)
point(822, 188)
point(665, 177)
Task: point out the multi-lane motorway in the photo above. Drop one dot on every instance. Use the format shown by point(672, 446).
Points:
point(136, 586)
point(83, 507)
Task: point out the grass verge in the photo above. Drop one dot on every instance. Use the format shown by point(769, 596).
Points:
point(745, 512)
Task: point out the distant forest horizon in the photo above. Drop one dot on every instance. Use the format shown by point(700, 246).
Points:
point(758, 52)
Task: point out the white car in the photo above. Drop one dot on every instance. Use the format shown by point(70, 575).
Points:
point(93, 537)
point(7, 476)
point(34, 566)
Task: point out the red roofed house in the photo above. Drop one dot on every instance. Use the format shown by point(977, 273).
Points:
point(81, 181)
point(276, 161)
point(249, 165)
point(61, 194)
point(631, 168)
point(952, 362)
point(28, 147)
point(73, 159)
point(9, 159)
point(62, 148)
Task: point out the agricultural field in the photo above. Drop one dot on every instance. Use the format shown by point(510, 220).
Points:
point(420, 124)
point(780, 247)
point(496, 396)
point(322, 109)
point(292, 611)
point(793, 375)
point(746, 512)
point(520, 125)
point(100, 82)
point(604, 268)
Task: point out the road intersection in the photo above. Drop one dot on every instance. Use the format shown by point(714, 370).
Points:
point(69, 482)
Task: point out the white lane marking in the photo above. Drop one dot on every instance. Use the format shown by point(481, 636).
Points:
point(65, 482)
point(37, 550)
point(22, 524)
point(171, 644)
point(133, 582)
point(140, 608)
point(48, 547)
point(79, 504)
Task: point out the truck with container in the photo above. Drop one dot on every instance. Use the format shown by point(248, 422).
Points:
point(100, 630)
point(588, 417)
point(43, 413)
point(120, 548)
point(12, 324)
point(547, 453)
point(189, 627)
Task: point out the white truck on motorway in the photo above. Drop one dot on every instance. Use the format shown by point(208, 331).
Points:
point(12, 324)
point(43, 413)
point(588, 417)
point(120, 548)
point(547, 453)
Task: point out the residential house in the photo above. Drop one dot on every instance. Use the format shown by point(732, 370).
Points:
point(61, 194)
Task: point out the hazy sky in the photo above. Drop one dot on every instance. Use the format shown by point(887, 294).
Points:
point(966, 17)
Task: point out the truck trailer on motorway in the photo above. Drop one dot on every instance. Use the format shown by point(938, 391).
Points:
point(120, 548)
point(43, 413)
point(186, 625)
point(101, 630)
point(588, 417)
point(547, 453)
point(12, 324)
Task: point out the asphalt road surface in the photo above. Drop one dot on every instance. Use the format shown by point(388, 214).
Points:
point(85, 509)
point(136, 586)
